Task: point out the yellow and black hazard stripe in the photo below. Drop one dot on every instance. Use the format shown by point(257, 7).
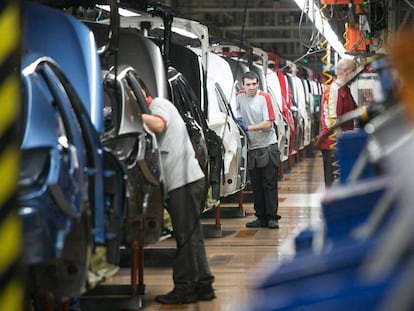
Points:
point(11, 285)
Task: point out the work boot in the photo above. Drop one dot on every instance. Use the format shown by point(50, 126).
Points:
point(174, 298)
point(205, 292)
point(273, 224)
point(256, 223)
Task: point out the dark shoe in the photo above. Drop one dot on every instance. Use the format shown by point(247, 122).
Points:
point(273, 224)
point(256, 224)
point(205, 293)
point(173, 298)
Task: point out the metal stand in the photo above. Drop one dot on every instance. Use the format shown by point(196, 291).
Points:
point(214, 230)
point(120, 296)
point(290, 162)
point(281, 171)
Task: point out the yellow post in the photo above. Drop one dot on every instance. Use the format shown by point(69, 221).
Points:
point(11, 285)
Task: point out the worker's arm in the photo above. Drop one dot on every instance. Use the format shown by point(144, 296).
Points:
point(262, 126)
point(154, 122)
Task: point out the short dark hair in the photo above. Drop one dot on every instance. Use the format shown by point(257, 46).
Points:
point(250, 75)
point(144, 87)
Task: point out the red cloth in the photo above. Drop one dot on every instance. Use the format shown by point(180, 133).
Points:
point(344, 103)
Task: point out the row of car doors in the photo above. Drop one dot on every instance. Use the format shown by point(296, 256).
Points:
point(223, 157)
point(92, 175)
point(91, 178)
point(296, 98)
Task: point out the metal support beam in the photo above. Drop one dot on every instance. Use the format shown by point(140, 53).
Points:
point(187, 10)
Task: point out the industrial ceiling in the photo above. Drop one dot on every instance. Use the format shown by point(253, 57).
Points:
point(284, 27)
point(280, 26)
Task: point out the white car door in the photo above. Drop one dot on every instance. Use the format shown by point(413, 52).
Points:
point(280, 122)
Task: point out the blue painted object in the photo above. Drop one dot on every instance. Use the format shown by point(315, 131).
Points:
point(304, 241)
point(346, 206)
point(329, 281)
point(52, 178)
point(349, 146)
point(71, 44)
point(53, 185)
point(330, 292)
point(340, 260)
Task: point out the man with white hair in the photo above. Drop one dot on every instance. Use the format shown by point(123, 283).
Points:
point(336, 101)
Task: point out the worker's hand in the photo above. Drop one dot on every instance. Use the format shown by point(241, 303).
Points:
point(242, 124)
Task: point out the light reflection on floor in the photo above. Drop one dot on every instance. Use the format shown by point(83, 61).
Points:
point(242, 255)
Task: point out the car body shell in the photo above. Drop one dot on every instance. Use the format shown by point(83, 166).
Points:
point(74, 79)
point(220, 91)
point(53, 198)
point(135, 146)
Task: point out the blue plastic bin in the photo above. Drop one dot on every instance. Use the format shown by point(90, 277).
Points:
point(349, 146)
point(346, 206)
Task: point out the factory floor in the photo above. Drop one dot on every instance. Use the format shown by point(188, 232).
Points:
point(238, 256)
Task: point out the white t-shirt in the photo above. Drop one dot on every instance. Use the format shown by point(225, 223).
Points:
point(179, 162)
point(254, 110)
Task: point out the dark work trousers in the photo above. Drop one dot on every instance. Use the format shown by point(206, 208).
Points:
point(190, 268)
point(265, 192)
point(328, 157)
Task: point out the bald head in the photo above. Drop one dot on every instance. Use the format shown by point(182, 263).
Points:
point(346, 64)
point(344, 68)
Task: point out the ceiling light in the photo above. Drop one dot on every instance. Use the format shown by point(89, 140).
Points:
point(315, 15)
point(121, 11)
